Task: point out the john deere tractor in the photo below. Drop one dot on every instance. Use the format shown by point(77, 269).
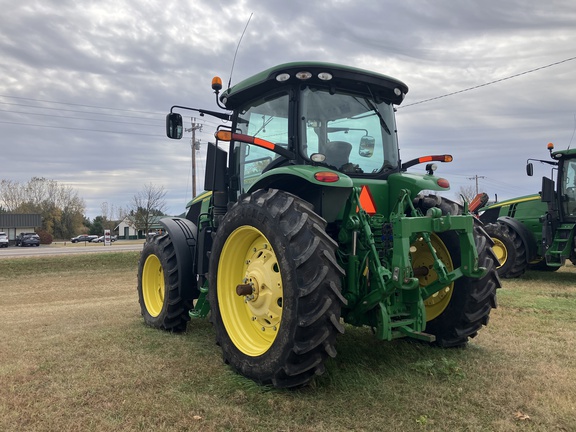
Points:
point(308, 221)
point(537, 231)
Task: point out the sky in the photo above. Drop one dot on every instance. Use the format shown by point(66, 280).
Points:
point(85, 85)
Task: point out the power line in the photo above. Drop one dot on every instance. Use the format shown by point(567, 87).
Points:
point(80, 118)
point(79, 105)
point(489, 83)
point(81, 129)
point(76, 111)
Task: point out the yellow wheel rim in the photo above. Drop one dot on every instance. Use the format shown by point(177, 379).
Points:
point(153, 285)
point(422, 258)
point(500, 251)
point(252, 321)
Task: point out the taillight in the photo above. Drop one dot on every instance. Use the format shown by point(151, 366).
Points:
point(326, 176)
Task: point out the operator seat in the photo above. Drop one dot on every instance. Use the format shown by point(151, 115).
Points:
point(337, 153)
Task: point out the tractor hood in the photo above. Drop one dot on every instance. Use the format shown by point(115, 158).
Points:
point(526, 198)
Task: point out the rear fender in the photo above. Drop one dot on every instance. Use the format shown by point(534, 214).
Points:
point(525, 235)
point(328, 198)
point(183, 234)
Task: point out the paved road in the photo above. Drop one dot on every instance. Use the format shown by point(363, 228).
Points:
point(15, 252)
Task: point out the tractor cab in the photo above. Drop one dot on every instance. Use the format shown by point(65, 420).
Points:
point(315, 114)
point(346, 132)
point(561, 196)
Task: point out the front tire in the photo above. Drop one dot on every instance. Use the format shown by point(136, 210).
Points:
point(282, 326)
point(161, 303)
point(456, 313)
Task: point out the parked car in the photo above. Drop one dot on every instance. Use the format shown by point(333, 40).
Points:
point(101, 239)
point(27, 239)
point(83, 238)
point(3, 239)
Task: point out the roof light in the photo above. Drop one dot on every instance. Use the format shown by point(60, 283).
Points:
point(282, 77)
point(216, 83)
point(397, 91)
point(304, 75)
point(325, 76)
point(327, 176)
point(550, 146)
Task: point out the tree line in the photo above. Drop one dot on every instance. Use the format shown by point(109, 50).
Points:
point(63, 210)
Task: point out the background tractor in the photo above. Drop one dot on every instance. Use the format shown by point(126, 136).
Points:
point(310, 221)
point(537, 231)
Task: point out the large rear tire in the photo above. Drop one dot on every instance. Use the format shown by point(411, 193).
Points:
point(281, 324)
point(509, 249)
point(457, 312)
point(161, 304)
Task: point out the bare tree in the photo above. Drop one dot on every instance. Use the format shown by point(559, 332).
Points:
point(466, 193)
point(108, 215)
point(146, 204)
point(11, 195)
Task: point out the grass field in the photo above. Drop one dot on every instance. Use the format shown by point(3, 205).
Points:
point(76, 356)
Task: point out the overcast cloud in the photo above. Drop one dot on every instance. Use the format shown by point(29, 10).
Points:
point(85, 85)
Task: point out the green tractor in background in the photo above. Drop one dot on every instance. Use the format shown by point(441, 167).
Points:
point(537, 231)
point(310, 221)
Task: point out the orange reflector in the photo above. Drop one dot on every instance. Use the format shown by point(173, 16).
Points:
point(366, 201)
point(443, 183)
point(437, 158)
point(263, 143)
point(326, 176)
point(223, 135)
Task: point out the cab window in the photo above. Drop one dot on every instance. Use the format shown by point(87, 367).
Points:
point(265, 118)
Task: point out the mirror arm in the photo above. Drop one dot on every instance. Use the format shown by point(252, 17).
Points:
point(222, 116)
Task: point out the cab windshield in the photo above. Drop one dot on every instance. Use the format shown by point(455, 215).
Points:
point(569, 189)
point(350, 133)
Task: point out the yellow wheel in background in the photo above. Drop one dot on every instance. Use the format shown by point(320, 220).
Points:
point(456, 312)
point(500, 251)
point(422, 258)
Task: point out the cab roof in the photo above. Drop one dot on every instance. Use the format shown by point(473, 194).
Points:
point(343, 77)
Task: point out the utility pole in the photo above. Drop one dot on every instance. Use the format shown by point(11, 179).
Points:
point(476, 177)
point(195, 145)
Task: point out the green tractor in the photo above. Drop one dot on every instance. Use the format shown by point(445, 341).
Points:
point(537, 231)
point(310, 221)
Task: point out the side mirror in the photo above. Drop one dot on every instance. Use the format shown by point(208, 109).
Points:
point(529, 169)
point(174, 126)
point(366, 146)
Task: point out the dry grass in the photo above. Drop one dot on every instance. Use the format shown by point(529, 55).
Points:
point(76, 356)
